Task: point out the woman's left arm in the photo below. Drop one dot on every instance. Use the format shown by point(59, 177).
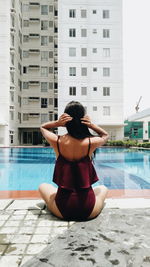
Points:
point(46, 128)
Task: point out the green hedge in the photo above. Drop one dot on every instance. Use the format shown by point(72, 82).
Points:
point(128, 143)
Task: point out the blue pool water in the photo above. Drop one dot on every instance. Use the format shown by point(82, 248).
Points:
point(117, 168)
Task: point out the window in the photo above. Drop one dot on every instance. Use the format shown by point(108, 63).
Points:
point(25, 85)
point(50, 23)
point(83, 90)
point(44, 118)
point(26, 23)
point(94, 31)
point(51, 116)
point(11, 114)
point(106, 91)
point(72, 13)
point(55, 102)
point(106, 52)
point(83, 52)
point(44, 25)
point(50, 39)
point(25, 101)
point(106, 33)
point(94, 108)
point(25, 7)
point(51, 101)
point(12, 96)
point(44, 86)
point(44, 10)
point(44, 40)
point(72, 71)
point(106, 111)
point(25, 38)
point(83, 32)
point(94, 89)
point(24, 70)
point(106, 14)
point(50, 8)
point(12, 77)
point(44, 71)
point(72, 90)
point(83, 71)
point(50, 86)
point(25, 54)
point(72, 51)
point(51, 70)
point(106, 72)
point(94, 11)
point(94, 69)
point(44, 55)
point(94, 50)
point(25, 116)
point(83, 13)
point(72, 32)
point(43, 102)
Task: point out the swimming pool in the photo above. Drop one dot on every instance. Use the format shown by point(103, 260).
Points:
point(117, 168)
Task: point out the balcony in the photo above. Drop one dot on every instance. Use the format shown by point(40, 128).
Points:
point(13, 11)
point(34, 51)
point(33, 99)
point(12, 69)
point(34, 35)
point(33, 20)
point(34, 115)
point(34, 67)
point(34, 83)
point(12, 50)
point(12, 30)
point(34, 4)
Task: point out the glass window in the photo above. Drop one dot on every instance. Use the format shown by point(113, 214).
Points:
point(25, 8)
point(72, 90)
point(44, 40)
point(25, 116)
point(50, 86)
point(106, 33)
point(25, 101)
point(72, 51)
point(26, 23)
point(94, 89)
point(50, 8)
point(51, 101)
point(72, 71)
point(25, 85)
point(106, 91)
point(72, 13)
point(44, 25)
point(43, 102)
point(106, 14)
point(94, 50)
point(44, 71)
point(83, 90)
point(106, 52)
point(12, 96)
point(72, 32)
point(106, 110)
point(84, 71)
point(44, 55)
point(50, 23)
point(44, 86)
point(11, 114)
point(94, 108)
point(25, 38)
point(94, 69)
point(50, 54)
point(83, 52)
point(44, 9)
point(83, 13)
point(83, 32)
point(25, 54)
point(44, 117)
point(25, 69)
point(106, 72)
point(94, 31)
point(51, 70)
point(94, 11)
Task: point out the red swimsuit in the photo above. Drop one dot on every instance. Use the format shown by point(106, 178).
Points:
point(75, 198)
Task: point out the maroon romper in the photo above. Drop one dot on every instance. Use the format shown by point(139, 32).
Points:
point(75, 197)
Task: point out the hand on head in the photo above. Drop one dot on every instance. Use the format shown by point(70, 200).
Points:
point(86, 120)
point(63, 119)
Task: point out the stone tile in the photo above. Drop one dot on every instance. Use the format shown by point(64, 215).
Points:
point(43, 230)
point(26, 259)
point(20, 212)
point(26, 205)
point(35, 249)
point(26, 230)
point(16, 249)
point(31, 217)
point(2, 223)
point(8, 230)
point(7, 261)
point(2, 248)
point(5, 238)
point(34, 212)
point(4, 203)
point(52, 223)
point(40, 239)
point(4, 217)
point(29, 223)
point(12, 223)
point(17, 217)
point(21, 239)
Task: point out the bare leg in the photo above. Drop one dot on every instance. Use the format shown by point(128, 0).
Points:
point(100, 195)
point(48, 193)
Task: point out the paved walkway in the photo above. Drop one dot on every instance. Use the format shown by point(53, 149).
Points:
point(30, 236)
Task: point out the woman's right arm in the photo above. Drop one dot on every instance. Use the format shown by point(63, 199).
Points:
point(102, 137)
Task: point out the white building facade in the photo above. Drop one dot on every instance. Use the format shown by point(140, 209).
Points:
point(90, 60)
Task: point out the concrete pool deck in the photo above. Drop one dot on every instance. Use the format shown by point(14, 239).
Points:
point(31, 236)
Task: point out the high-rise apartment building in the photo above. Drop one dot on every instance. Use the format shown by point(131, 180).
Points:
point(28, 62)
point(90, 60)
point(53, 52)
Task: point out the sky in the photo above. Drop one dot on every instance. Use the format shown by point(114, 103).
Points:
point(136, 47)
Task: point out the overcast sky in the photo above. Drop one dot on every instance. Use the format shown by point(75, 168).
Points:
point(136, 42)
